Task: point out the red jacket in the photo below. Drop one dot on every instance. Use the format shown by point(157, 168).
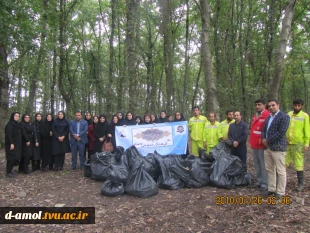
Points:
point(256, 130)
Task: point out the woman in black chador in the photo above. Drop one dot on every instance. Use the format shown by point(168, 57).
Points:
point(111, 130)
point(13, 143)
point(60, 143)
point(36, 159)
point(46, 142)
point(101, 130)
point(27, 143)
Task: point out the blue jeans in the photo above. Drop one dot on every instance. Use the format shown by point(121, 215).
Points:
point(75, 147)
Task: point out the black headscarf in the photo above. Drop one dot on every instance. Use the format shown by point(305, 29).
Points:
point(112, 122)
point(93, 122)
point(61, 122)
point(37, 123)
point(141, 121)
point(25, 124)
point(101, 128)
point(162, 120)
point(129, 122)
point(181, 119)
point(46, 125)
point(12, 121)
point(156, 120)
point(89, 121)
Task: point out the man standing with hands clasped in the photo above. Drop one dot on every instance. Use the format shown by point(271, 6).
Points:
point(273, 138)
point(257, 146)
point(78, 138)
point(238, 133)
point(297, 137)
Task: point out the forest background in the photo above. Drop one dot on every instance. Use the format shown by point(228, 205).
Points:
point(148, 55)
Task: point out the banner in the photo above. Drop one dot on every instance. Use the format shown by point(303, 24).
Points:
point(165, 138)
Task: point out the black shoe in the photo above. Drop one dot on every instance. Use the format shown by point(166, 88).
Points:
point(27, 172)
point(11, 175)
point(56, 169)
point(61, 169)
point(51, 168)
point(278, 196)
point(44, 170)
point(263, 189)
point(268, 194)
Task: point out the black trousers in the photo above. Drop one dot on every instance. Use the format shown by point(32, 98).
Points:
point(240, 152)
point(23, 164)
point(59, 160)
point(10, 164)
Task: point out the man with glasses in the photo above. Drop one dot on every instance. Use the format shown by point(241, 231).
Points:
point(297, 136)
point(274, 140)
point(258, 123)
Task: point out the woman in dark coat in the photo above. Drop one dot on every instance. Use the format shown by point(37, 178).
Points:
point(111, 130)
point(91, 136)
point(129, 120)
point(36, 160)
point(121, 118)
point(27, 143)
point(13, 143)
point(46, 142)
point(60, 129)
point(100, 132)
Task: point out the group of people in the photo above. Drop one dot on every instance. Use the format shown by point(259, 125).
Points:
point(276, 138)
point(45, 142)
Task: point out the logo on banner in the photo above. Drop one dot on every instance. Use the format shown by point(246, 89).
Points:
point(180, 130)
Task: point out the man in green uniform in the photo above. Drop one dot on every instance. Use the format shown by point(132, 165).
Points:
point(196, 126)
point(297, 136)
point(224, 125)
point(210, 134)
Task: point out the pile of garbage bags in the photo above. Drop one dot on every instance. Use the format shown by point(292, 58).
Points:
point(141, 176)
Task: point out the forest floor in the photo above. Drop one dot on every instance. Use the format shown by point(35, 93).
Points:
point(185, 210)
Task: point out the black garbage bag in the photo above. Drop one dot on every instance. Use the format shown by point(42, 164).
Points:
point(117, 173)
point(188, 161)
point(223, 148)
point(205, 165)
point(187, 176)
point(150, 166)
point(132, 155)
point(225, 168)
point(99, 163)
point(244, 179)
point(111, 189)
point(118, 153)
point(166, 180)
point(204, 156)
point(140, 183)
point(87, 169)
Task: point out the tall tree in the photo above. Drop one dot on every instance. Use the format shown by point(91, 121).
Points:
point(281, 50)
point(211, 95)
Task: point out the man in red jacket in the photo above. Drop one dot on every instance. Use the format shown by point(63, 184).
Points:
point(258, 122)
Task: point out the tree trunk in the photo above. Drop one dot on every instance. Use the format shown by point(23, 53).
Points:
point(131, 13)
point(4, 87)
point(211, 96)
point(281, 50)
point(185, 91)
